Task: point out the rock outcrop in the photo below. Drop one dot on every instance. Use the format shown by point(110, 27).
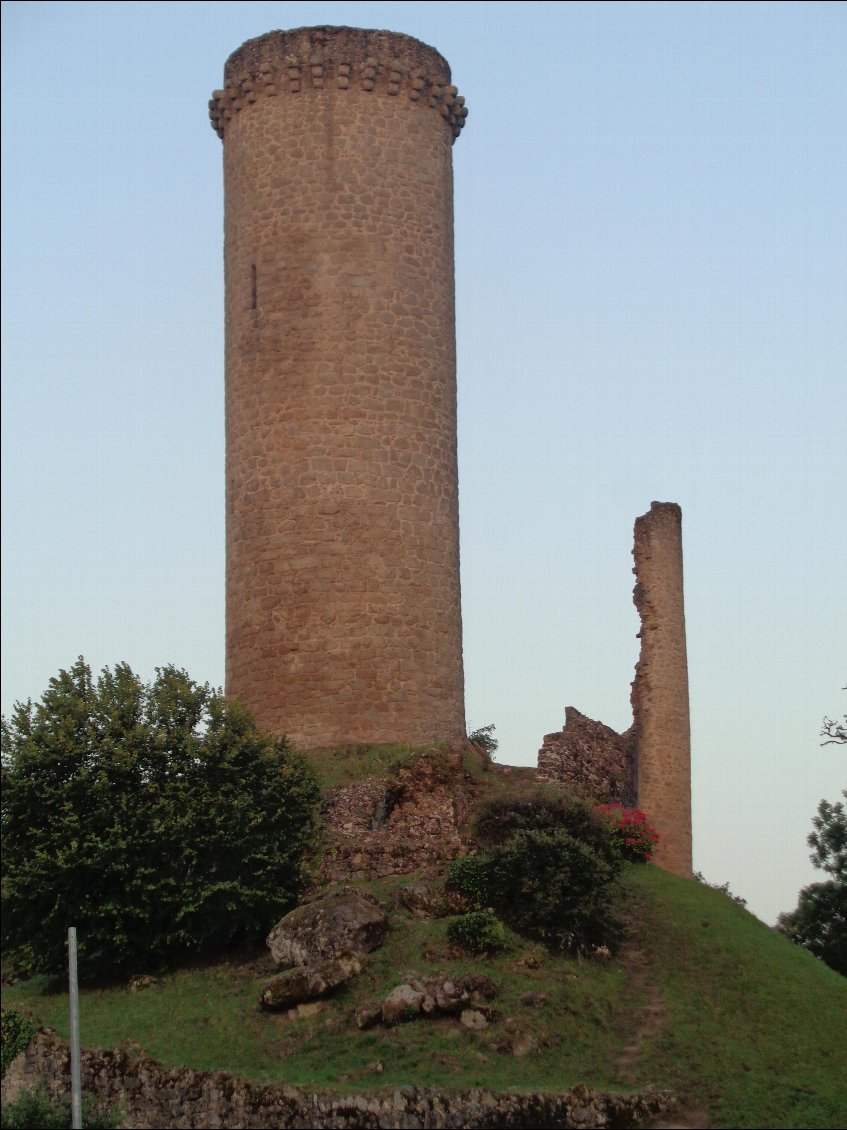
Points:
point(344, 922)
point(308, 982)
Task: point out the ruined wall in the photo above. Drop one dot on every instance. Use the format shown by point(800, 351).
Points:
point(343, 612)
point(379, 827)
point(661, 728)
point(591, 758)
point(151, 1096)
point(650, 765)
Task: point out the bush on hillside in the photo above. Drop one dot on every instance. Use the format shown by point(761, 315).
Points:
point(16, 1030)
point(545, 809)
point(631, 833)
point(480, 931)
point(155, 818)
point(34, 1110)
point(470, 876)
point(556, 888)
point(548, 869)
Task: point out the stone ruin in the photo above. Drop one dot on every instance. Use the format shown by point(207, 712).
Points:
point(649, 765)
point(343, 607)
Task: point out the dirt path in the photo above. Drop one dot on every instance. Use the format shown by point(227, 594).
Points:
point(651, 1022)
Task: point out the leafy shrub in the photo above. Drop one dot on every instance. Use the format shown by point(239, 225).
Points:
point(33, 1110)
point(469, 875)
point(545, 809)
point(155, 818)
point(484, 738)
point(479, 931)
point(631, 834)
point(548, 869)
point(557, 888)
point(16, 1030)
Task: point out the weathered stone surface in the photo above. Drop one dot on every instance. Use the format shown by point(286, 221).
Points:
point(473, 1018)
point(343, 602)
point(423, 900)
point(661, 726)
point(402, 1003)
point(590, 757)
point(151, 1096)
point(306, 982)
point(346, 921)
point(412, 823)
point(367, 1015)
point(431, 996)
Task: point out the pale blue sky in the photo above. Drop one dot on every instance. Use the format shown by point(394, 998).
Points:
point(651, 263)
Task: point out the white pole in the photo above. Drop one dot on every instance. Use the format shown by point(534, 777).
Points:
point(76, 1074)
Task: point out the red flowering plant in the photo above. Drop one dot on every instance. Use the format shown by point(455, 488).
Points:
point(634, 837)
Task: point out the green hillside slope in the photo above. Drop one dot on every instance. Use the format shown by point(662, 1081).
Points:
point(704, 999)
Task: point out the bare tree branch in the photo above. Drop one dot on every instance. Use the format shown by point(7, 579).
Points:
point(834, 733)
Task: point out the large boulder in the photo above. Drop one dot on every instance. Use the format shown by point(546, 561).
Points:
point(346, 921)
point(305, 983)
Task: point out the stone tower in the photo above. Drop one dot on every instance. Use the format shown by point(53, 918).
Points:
point(343, 612)
point(661, 728)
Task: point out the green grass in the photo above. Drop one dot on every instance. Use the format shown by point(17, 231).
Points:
point(754, 1027)
point(351, 763)
point(757, 1028)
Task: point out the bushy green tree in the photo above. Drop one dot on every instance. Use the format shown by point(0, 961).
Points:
point(819, 922)
point(154, 817)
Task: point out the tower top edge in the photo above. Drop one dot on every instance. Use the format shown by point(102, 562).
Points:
point(338, 58)
point(331, 44)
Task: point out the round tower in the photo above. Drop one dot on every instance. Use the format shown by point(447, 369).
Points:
point(343, 619)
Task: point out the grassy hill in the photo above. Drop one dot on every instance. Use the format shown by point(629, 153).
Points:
point(704, 999)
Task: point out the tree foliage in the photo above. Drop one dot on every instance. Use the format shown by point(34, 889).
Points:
point(484, 738)
point(547, 867)
point(819, 923)
point(155, 818)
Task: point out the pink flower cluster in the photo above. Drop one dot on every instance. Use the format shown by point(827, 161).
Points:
point(634, 836)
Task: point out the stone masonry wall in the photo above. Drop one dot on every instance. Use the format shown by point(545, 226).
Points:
point(152, 1097)
point(591, 758)
point(415, 821)
point(661, 725)
point(343, 611)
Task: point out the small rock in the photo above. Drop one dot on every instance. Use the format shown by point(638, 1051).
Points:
point(310, 1008)
point(137, 984)
point(304, 983)
point(535, 1000)
point(402, 1003)
point(367, 1015)
point(473, 1018)
point(524, 1043)
point(449, 997)
point(480, 986)
point(532, 960)
point(423, 900)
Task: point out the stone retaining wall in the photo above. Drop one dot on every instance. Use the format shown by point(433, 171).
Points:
point(152, 1097)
